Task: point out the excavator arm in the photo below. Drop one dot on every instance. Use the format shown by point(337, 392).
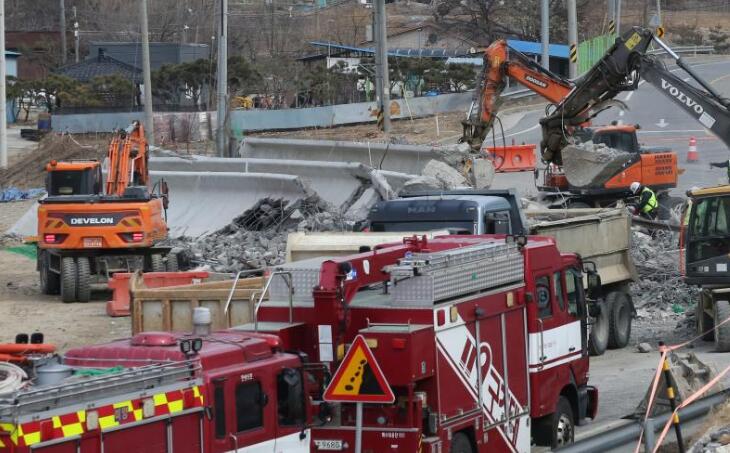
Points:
point(707, 106)
point(501, 62)
point(127, 159)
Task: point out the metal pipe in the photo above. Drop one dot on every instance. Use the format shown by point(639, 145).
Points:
point(545, 33)
point(629, 432)
point(263, 293)
point(235, 282)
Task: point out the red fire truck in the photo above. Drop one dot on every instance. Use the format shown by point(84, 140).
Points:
point(481, 338)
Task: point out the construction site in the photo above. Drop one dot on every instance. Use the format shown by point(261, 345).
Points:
point(459, 227)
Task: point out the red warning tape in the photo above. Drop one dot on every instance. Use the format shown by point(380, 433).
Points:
point(655, 383)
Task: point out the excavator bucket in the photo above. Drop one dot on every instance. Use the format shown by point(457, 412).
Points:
point(589, 165)
point(512, 158)
point(687, 374)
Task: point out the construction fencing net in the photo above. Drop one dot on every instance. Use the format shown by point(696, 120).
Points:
point(590, 51)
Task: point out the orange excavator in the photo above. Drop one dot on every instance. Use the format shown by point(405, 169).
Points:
point(568, 121)
point(86, 233)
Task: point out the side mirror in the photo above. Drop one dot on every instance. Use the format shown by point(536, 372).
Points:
point(594, 283)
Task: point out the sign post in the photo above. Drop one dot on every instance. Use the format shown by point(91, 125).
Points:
point(359, 380)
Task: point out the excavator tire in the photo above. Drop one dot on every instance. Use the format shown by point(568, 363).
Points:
point(722, 333)
point(68, 279)
point(49, 280)
point(619, 325)
point(171, 263)
point(157, 263)
point(83, 280)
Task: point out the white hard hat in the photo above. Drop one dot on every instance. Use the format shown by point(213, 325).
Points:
point(634, 187)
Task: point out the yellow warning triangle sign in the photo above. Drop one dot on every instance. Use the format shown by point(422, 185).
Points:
point(359, 379)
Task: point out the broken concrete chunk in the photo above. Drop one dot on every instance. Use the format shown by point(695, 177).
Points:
point(482, 173)
point(421, 183)
point(588, 164)
point(448, 177)
point(360, 209)
point(644, 348)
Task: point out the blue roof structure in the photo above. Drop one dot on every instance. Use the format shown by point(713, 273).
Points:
point(535, 48)
point(397, 52)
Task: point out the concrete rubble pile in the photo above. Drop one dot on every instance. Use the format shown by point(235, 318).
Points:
point(715, 440)
point(660, 296)
point(257, 238)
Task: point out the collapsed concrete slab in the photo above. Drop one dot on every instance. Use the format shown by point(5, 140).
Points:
point(384, 156)
point(204, 202)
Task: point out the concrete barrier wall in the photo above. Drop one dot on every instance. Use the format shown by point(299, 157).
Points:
point(258, 120)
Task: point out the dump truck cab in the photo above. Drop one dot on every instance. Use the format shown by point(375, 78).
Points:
point(460, 212)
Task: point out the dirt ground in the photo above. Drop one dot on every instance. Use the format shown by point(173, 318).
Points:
point(23, 309)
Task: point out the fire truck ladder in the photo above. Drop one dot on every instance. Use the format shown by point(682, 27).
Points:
point(84, 390)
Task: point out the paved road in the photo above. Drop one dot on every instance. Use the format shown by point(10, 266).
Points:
point(663, 124)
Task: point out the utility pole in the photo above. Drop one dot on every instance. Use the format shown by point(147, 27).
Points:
point(618, 17)
point(382, 84)
point(545, 33)
point(76, 36)
point(63, 31)
point(659, 12)
point(149, 124)
point(3, 100)
point(573, 38)
point(222, 80)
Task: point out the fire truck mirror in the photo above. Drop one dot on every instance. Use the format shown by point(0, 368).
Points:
point(594, 283)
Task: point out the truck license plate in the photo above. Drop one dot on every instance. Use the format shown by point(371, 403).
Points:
point(330, 445)
point(92, 243)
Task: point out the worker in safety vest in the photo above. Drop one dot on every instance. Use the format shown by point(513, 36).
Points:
point(724, 164)
point(648, 203)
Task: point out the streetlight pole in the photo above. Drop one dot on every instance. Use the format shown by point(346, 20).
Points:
point(3, 100)
point(382, 85)
point(573, 38)
point(149, 124)
point(545, 33)
point(222, 80)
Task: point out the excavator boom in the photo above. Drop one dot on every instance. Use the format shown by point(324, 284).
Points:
point(500, 62)
point(127, 160)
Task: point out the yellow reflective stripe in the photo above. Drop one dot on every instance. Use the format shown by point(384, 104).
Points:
point(56, 422)
point(82, 416)
point(175, 406)
point(74, 429)
point(32, 438)
point(107, 422)
point(160, 399)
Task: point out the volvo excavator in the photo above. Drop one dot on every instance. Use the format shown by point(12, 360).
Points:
point(574, 104)
point(89, 228)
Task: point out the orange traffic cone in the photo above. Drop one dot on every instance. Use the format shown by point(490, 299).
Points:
point(692, 154)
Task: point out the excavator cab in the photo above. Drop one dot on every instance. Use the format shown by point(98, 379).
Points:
point(707, 238)
point(73, 178)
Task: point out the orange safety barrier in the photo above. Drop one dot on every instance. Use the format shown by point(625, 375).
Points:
point(119, 284)
point(512, 158)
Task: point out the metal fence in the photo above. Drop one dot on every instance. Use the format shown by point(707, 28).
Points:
point(589, 52)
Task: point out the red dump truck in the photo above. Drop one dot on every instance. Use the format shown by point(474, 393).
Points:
point(482, 339)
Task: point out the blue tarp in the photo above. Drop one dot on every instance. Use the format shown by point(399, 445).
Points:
point(15, 194)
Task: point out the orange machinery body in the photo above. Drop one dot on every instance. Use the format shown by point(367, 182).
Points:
point(97, 219)
point(103, 225)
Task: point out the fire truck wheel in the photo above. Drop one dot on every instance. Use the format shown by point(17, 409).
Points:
point(619, 317)
point(83, 280)
point(557, 429)
point(598, 339)
point(460, 443)
point(68, 279)
point(50, 281)
point(172, 264)
point(157, 264)
point(722, 332)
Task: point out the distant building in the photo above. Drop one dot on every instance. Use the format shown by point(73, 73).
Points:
point(35, 47)
point(102, 65)
point(428, 36)
point(161, 53)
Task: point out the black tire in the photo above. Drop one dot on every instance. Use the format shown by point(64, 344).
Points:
point(721, 312)
point(460, 443)
point(50, 281)
point(619, 319)
point(557, 429)
point(705, 321)
point(172, 264)
point(68, 279)
point(598, 338)
point(157, 263)
point(83, 280)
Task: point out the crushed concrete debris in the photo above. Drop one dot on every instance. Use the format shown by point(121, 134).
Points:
point(447, 176)
point(664, 304)
point(589, 164)
point(257, 238)
point(715, 440)
point(421, 183)
point(644, 348)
